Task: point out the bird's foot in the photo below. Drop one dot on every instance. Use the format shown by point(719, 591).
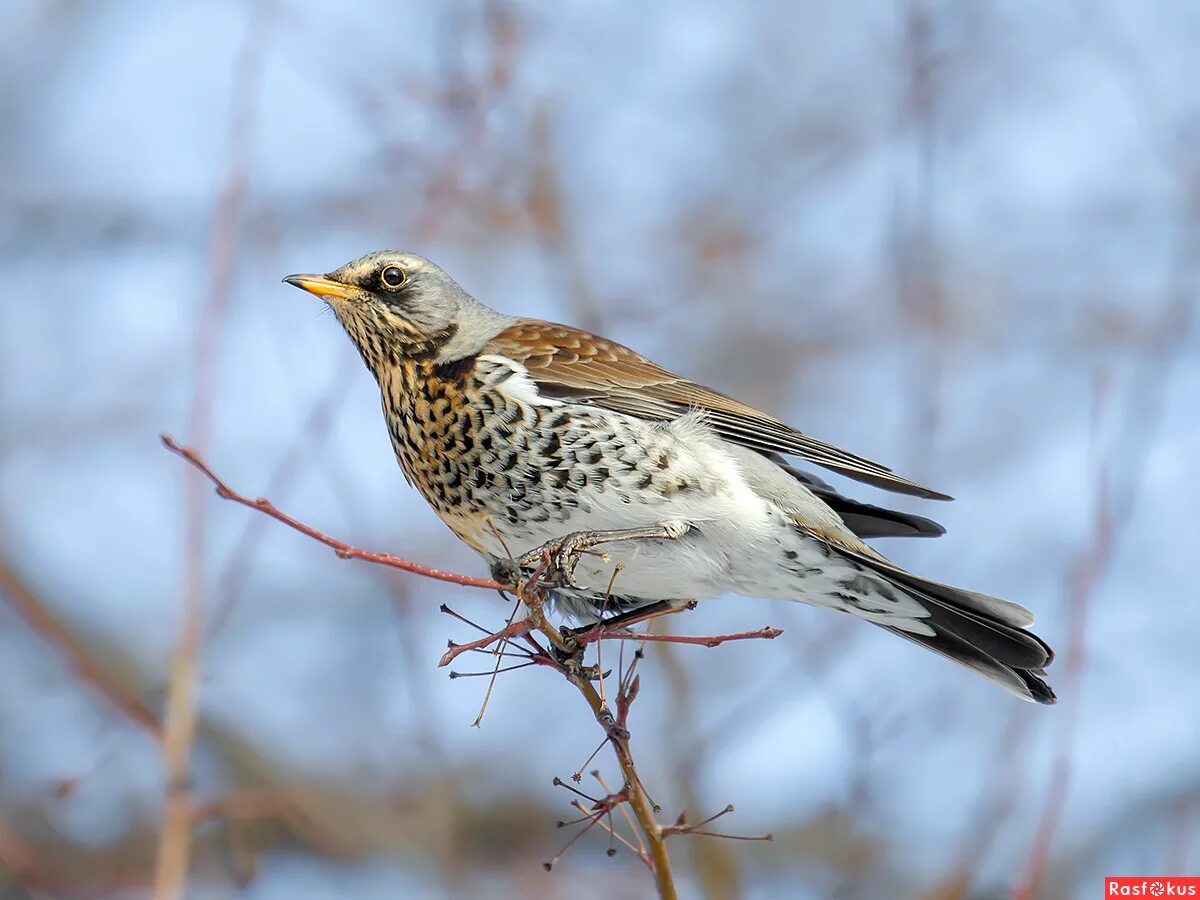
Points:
point(555, 560)
point(558, 558)
point(570, 657)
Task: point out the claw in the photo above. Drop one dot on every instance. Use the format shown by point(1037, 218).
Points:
point(564, 554)
point(572, 660)
point(565, 560)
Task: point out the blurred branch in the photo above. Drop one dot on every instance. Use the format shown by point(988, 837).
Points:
point(180, 723)
point(40, 619)
point(19, 860)
point(466, 104)
point(312, 435)
point(1000, 794)
point(1086, 572)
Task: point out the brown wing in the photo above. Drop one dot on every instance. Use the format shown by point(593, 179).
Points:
point(567, 363)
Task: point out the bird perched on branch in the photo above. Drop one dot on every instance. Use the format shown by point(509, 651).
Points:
point(522, 433)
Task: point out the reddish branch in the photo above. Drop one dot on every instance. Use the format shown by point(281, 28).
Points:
point(342, 549)
point(515, 629)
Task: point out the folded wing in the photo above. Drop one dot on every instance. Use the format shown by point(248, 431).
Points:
point(568, 363)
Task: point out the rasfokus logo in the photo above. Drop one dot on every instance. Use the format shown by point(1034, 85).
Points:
point(1155, 886)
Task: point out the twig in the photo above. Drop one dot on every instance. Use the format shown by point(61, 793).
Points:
point(599, 810)
point(681, 827)
point(592, 820)
point(449, 612)
point(624, 810)
point(492, 673)
point(577, 776)
point(558, 782)
point(608, 592)
point(513, 629)
point(639, 853)
point(342, 549)
point(633, 788)
point(499, 652)
point(735, 837)
point(599, 634)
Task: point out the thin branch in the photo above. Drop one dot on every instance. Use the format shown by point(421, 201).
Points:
point(624, 809)
point(577, 775)
point(633, 789)
point(499, 651)
point(342, 549)
point(639, 853)
point(558, 782)
point(513, 629)
point(592, 820)
point(449, 612)
point(492, 673)
point(681, 827)
point(599, 634)
point(734, 837)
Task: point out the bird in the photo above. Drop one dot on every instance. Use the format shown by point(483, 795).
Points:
point(653, 491)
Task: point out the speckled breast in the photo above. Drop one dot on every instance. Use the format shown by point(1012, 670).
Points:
point(489, 463)
point(475, 454)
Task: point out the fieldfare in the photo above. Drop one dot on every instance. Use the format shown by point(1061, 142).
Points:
point(521, 433)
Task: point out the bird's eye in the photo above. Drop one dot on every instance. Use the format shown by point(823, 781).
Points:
point(392, 277)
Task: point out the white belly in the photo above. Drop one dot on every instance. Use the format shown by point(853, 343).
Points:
point(704, 488)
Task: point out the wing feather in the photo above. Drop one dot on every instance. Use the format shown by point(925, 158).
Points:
point(568, 363)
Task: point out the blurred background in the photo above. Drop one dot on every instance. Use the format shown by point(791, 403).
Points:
point(960, 238)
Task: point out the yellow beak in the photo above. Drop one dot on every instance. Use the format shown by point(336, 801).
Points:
point(320, 286)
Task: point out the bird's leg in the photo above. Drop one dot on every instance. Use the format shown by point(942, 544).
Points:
point(564, 553)
point(561, 555)
point(634, 616)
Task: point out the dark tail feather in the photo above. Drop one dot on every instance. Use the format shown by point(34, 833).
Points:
point(863, 519)
point(1010, 656)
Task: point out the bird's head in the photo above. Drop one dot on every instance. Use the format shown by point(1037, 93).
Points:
point(397, 305)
